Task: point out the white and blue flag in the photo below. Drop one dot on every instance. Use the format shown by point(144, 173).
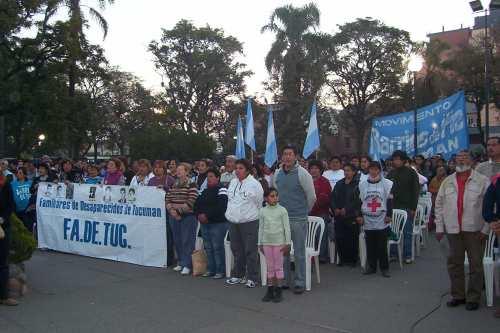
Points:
point(271, 149)
point(249, 130)
point(312, 139)
point(240, 142)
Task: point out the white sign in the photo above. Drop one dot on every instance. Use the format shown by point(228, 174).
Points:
point(119, 223)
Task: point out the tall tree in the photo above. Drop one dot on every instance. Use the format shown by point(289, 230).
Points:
point(465, 69)
point(296, 63)
point(130, 107)
point(201, 75)
point(77, 11)
point(369, 66)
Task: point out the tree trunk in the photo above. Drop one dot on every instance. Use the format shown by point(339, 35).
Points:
point(359, 136)
point(95, 150)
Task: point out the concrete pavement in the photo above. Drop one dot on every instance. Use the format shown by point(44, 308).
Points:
point(78, 294)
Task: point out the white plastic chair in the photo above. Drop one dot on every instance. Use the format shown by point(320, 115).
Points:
point(490, 267)
point(399, 218)
point(427, 204)
point(332, 247)
point(416, 237)
point(332, 251)
point(263, 268)
point(312, 250)
point(362, 248)
point(199, 240)
point(228, 255)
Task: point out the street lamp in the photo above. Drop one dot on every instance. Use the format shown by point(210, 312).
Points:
point(41, 138)
point(415, 65)
point(477, 7)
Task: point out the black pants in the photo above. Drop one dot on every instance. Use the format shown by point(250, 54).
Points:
point(4, 265)
point(376, 248)
point(244, 237)
point(347, 236)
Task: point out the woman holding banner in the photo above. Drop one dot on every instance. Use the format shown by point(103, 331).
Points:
point(180, 203)
point(114, 176)
point(164, 181)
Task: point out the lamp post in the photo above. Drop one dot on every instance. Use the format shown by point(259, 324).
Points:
point(477, 7)
point(415, 65)
point(41, 139)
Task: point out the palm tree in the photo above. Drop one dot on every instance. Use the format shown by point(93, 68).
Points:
point(75, 41)
point(295, 60)
point(76, 35)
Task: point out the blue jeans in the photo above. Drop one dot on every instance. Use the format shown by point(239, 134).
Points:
point(170, 244)
point(213, 241)
point(184, 236)
point(298, 228)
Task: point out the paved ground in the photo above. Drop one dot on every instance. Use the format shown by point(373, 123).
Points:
point(77, 294)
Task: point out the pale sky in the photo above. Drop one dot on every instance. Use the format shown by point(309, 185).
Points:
point(134, 23)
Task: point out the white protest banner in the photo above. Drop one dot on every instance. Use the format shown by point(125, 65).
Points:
point(119, 223)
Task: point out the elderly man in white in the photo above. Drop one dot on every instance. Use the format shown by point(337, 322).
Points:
point(458, 214)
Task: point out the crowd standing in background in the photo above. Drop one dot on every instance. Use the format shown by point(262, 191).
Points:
point(266, 209)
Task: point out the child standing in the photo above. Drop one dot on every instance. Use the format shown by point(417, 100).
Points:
point(274, 241)
point(376, 209)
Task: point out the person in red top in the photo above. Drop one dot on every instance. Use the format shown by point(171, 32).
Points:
point(321, 208)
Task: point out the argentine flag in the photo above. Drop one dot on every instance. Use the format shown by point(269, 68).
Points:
point(240, 143)
point(249, 130)
point(312, 139)
point(271, 149)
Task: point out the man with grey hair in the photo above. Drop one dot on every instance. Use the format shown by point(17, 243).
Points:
point(491, 167)
point(228, 174)
point(458, 211)
point(4, 168)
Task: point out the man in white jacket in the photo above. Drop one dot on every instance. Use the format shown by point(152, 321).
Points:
point(245, 198)
point(458, 213)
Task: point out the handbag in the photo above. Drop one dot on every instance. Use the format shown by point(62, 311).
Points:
point(200, 262)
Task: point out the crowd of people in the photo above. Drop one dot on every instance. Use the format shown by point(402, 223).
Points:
point(266, 209)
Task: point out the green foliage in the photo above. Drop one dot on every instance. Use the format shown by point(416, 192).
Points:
point(201, 75)
point(160, 142)
point(22, 242)
point(297, 64)
point(368, 67)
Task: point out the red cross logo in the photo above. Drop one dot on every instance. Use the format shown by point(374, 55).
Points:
point(374, 205)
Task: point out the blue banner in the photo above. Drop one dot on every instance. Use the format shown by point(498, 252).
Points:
point(441, 129)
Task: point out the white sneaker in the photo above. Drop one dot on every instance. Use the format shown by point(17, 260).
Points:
point(233, 280)
point(185, 271)
point(177, 268)
point(250, 284)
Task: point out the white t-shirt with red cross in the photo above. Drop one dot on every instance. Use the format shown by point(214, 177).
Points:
point(374, 198)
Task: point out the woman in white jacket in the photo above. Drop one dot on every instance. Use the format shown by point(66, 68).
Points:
point(245, 197)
